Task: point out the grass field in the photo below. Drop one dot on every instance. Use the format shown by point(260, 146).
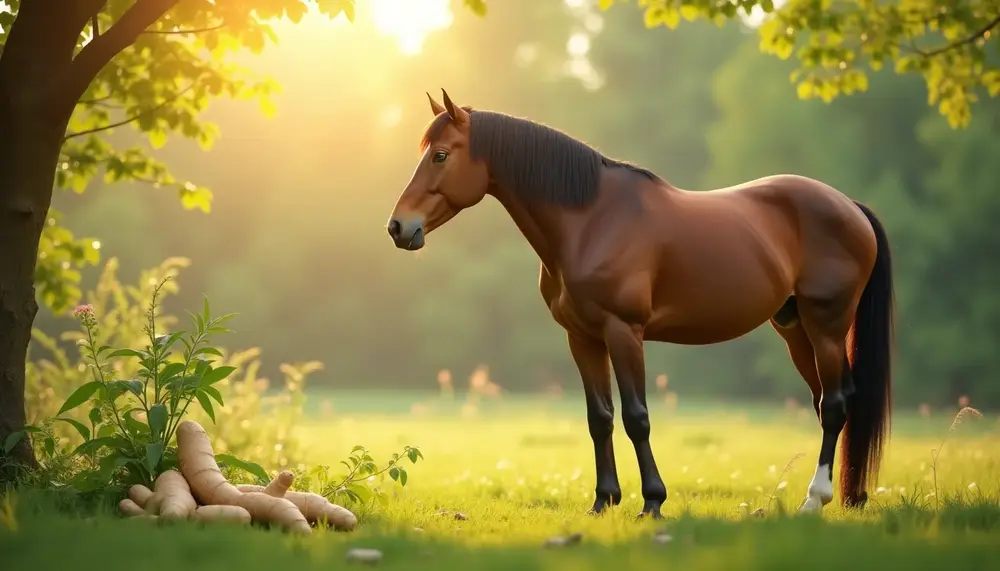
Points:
point(521, 470)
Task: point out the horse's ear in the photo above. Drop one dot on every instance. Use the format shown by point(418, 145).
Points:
point(457, 114)
point(436, 107)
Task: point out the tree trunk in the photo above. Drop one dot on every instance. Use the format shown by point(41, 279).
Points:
point(30, 141)
point(41, 80)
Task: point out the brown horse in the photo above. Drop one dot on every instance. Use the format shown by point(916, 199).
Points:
point(627, 257)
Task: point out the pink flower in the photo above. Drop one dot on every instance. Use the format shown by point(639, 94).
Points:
point(85, 313)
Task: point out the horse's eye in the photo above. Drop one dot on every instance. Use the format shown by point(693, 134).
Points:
point(439, 157)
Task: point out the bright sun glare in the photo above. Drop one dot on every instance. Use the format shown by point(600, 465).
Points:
point(411, 21)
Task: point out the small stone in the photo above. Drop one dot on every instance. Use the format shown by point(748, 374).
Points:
point(555, 542)
point(461, 516)
point(559, 541)
point(362, 555)
point(662, 537)
point(418, 529)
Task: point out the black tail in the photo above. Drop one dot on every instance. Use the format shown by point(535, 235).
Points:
point(870, 352)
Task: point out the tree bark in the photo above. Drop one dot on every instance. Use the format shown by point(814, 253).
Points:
point(29, 154)
point(33, 118)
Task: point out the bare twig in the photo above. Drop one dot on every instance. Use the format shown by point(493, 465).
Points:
point(976, 36)
point(132, 118)
point(936, 452)
point(788, 467)
point(184, 32)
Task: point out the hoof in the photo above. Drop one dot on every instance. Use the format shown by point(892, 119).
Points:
point(651, 510)
point(601, 505)
point(812, 504)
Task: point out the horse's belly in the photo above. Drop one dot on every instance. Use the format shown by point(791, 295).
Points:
point(715, 313)
point(694, 334)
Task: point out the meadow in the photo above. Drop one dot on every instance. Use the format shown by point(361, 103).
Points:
point(519, 471)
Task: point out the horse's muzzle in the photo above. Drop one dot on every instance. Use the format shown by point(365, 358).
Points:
point(406, 236)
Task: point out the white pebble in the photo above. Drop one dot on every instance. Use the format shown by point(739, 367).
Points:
point(362, 555)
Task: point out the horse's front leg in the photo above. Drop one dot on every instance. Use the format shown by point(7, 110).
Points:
point(591, 357)
point(624, 342)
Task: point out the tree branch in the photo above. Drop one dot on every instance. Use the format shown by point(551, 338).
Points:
point(185, 32)
point(133, 118)
point(101, 49)
point(976, 36)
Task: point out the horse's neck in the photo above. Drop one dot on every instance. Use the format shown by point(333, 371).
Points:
point(528, 219)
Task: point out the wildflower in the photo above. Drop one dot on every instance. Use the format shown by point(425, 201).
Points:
point(85, 314)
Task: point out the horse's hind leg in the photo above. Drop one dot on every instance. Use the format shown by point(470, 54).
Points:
point(787, 324)
point(800, 349)
point(624, 343)
point(591, 357)
point(826, 314)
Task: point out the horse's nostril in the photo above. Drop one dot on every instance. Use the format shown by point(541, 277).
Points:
point(395, 229)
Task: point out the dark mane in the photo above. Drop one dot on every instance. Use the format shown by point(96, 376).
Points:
point(534, 160)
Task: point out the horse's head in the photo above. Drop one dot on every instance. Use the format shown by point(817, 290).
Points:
point(446, 180)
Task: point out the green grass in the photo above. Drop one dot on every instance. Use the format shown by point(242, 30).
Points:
point(522, 471)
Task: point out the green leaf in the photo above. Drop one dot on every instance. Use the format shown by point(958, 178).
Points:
point(157, 138)
point(207, 351)
point(215, 375)
point(402, 477)
point(110, 463)
point(170, 371)
point(214, 393)
point(118, 388)
point(249, 467)
point(92, 446)
point(394, 473)
point(107, 429)
point(88, 481)
point(206, 404)
point(154, 452)
point(79, 426)
point(125, 353)
point(95, 416)
point(413, 454)
point(157, 420)
point(360, 493)
point(12, 439)
point(479, 8)
point(133, 425)
point(80, 396)
point(49, 445)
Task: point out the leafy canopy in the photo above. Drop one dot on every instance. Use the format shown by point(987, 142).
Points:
point(153, 65)
point(950, 43)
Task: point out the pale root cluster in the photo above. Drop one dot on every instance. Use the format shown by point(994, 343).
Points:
point(199, 491)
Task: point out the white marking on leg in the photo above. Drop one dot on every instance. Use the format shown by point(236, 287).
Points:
point(820, 491)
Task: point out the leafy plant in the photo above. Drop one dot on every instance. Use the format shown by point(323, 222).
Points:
point(119, 315)
point(274, 410)
point(363, 481)
point(131, 423)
